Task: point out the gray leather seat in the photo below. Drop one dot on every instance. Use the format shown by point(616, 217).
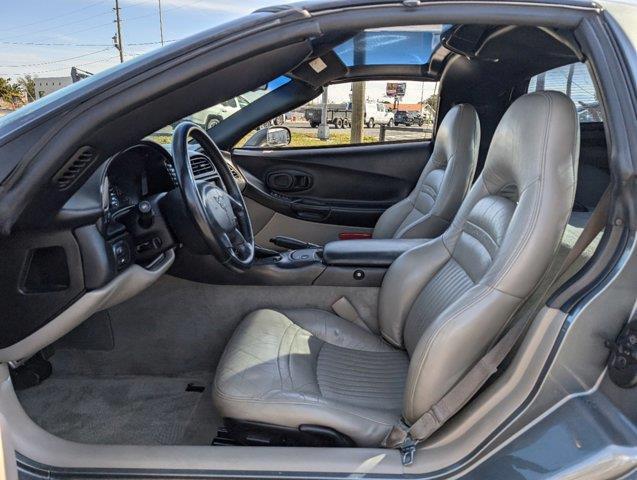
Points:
point(441, 304)
point(443, 183)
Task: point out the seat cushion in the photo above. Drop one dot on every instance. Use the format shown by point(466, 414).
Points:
point(311, 367)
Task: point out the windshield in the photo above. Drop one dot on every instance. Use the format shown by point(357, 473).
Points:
point(215, 114)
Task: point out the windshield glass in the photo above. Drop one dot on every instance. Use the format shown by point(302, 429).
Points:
point(215, 114)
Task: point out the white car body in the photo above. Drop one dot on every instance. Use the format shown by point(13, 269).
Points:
point(377, 113)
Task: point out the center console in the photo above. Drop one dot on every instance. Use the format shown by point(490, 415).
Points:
point(341, 263)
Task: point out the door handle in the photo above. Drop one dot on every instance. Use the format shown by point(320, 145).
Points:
point(310, 211)
point(288, 181)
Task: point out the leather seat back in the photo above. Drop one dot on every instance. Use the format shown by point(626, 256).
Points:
point(448, 300)
point(443, 183)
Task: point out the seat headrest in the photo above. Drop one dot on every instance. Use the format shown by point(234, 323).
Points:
point(539, 133)
point(459, 131)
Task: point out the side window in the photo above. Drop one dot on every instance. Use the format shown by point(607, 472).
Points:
point(242, 102)
point(384, 104)
point(575, 81)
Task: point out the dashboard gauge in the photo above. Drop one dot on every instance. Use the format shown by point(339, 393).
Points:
point(135, 174)
point(117, 198)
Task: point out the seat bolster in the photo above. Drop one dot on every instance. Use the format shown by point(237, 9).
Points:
point(453, 344)
point(393, 217)
point(403, 283)
point(333, 329)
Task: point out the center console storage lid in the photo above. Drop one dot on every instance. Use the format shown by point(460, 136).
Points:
point(368, 253)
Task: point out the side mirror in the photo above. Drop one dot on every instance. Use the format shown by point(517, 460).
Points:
point(271, 137)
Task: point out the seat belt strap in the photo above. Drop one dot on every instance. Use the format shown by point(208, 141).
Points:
point(406, 437)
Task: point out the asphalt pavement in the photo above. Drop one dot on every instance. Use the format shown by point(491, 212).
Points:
point(401, 133)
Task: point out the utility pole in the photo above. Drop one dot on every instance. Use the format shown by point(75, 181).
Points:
point(358, 112)
point(324, 128)
point(117, 39)
point(161, 25)
point(358, 93)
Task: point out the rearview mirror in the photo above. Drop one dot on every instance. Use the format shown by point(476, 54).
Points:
point(270, 137)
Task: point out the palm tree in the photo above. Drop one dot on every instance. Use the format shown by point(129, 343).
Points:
point(27, 84)
point(10, 92)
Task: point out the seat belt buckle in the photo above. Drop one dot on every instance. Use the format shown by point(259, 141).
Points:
point(408, 452)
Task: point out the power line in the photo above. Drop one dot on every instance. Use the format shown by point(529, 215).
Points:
point(56, 27)
point(54, 61)
point(56, 17)
point(59, 68)
point(45, 44)
point(74, 22)
point(164, 10)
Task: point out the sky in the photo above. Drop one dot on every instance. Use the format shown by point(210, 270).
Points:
point(376, 90)
point(79, 32)
point(45, 38)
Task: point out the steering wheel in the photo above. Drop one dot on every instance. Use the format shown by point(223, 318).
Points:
point(219, 212)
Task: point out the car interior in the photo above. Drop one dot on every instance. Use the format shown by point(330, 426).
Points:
point(201, 293)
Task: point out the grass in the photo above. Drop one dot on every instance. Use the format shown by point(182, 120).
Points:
point(302, 139)
point(162, 139)
point(299, 139)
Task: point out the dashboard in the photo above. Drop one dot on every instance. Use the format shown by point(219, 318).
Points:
point(114, 237)
point(147, 169)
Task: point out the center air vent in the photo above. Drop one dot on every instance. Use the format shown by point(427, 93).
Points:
point(202, 168)
point(74, 167)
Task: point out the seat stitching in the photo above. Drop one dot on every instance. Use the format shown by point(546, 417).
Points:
point(278, 366)
point(530, 226)
point(298, 329)
point(316, 370)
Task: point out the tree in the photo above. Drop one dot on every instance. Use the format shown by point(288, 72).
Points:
point(27, 84)
point(10, 92)
point(432, 101)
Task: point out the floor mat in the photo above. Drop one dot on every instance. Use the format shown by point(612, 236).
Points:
point(133, 410)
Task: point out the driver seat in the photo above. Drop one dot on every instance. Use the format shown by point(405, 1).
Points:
point(441, 304)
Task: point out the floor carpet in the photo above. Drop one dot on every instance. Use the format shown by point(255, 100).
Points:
point(133, 410)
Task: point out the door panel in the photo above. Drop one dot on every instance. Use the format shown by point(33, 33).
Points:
point(267, 224)
point(330, 189)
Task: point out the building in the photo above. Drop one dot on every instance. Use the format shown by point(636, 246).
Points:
point(46, 85)
point(409, 107)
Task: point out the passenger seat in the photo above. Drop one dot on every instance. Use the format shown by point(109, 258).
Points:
point(443, 183)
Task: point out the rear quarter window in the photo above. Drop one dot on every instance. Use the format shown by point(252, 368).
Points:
point(575, 81)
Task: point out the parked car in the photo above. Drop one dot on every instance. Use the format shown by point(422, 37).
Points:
point(378, 113)
point(408, 118)
point(212, 116)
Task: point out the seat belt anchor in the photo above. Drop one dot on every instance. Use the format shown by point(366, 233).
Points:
point(408, 452)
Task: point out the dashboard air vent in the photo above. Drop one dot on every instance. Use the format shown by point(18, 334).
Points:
point(74, 167)
point(202, 168)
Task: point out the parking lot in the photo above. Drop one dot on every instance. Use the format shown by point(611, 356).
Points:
point(391, 134)
point(305, 135)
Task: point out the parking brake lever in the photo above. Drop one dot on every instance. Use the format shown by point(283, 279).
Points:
point(292, 243)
